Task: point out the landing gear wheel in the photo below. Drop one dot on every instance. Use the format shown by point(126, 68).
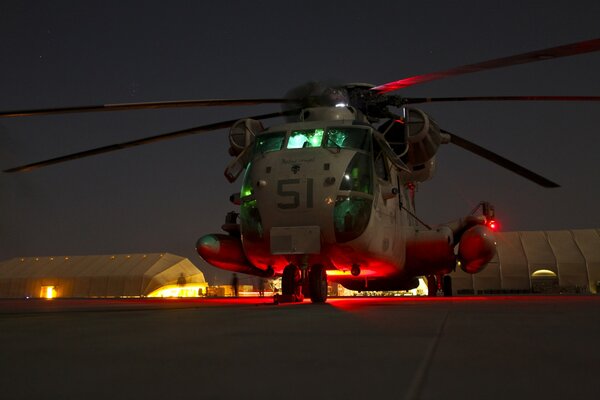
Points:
point(290, 280)
point(317, 281)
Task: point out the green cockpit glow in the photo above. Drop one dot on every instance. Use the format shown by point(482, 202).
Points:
point(247, 185)
point(251, 221)
point(246, 191)
point(348, 138)
point(305, 138)
point(357, 177)
point(350, 217)
point(269, 142)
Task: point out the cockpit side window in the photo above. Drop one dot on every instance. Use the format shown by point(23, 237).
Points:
point(305, 138)
point(381, 168)
point(269, 142)
point(348, 138)
point(357, 177)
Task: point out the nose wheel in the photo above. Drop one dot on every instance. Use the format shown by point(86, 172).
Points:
point(292, 282)
point(317, 283)
point(291, 285)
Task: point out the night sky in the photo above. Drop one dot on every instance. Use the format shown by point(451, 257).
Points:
point(162, 197)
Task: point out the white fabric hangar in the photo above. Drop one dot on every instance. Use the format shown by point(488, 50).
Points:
point(134, 275)
point(540, 262)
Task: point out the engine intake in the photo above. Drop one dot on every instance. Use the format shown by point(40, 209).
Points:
point(242, 133)
point(423, 136)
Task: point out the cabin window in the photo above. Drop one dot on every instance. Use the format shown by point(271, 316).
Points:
point(381, 169)
point(269, 142)
point(247, 185)
point(251, 222)
point(305, 138)
point(348, 138)
point(357, 177)
point(350, 217)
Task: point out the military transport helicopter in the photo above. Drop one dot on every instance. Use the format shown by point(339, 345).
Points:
point(330, 195)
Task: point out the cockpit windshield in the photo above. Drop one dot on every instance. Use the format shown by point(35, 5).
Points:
point(348, 138)
point(305, 138)
point(337, 137)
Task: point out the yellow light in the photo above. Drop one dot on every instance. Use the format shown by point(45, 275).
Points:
point(336, 272)
point(187, 290)
point(544, 273)
point(48, 292)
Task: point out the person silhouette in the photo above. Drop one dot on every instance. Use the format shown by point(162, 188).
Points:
point(234, 283)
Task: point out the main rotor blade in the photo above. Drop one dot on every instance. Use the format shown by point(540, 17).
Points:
point(142, 106)
point(572, 49)
point(418, 100)
point(139, 142)
point(499, 160)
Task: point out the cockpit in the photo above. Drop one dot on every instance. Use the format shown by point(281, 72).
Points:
point(334, 137)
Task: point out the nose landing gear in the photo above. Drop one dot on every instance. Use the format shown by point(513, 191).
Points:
point(291, 285)
point(317, 283)
point(294, 280)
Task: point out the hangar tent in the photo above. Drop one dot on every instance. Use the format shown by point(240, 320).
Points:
point(131, 275)
point(538, 261)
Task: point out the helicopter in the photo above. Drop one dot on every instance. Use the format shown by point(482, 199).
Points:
point(329, 196)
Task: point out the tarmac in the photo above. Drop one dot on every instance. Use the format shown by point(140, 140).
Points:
point(496, 347)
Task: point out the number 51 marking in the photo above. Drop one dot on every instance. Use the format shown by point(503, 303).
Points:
point(293, 194)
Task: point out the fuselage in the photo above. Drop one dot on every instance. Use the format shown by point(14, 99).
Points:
point(331, 192)
point(323, 193)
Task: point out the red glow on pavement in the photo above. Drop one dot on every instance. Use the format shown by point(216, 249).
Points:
point(24, 306)
point(11, 306)
point(356, 303)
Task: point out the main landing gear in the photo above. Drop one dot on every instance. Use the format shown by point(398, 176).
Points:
point(439, 285)
point(297, 283)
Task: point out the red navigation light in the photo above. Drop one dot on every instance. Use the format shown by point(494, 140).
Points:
point(492, 224)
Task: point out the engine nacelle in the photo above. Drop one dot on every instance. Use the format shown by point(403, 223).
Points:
point(242, 133)
point(422, 172)
point(226, 252)
point(423, 136)
point(241, 139)
point(477, 247)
